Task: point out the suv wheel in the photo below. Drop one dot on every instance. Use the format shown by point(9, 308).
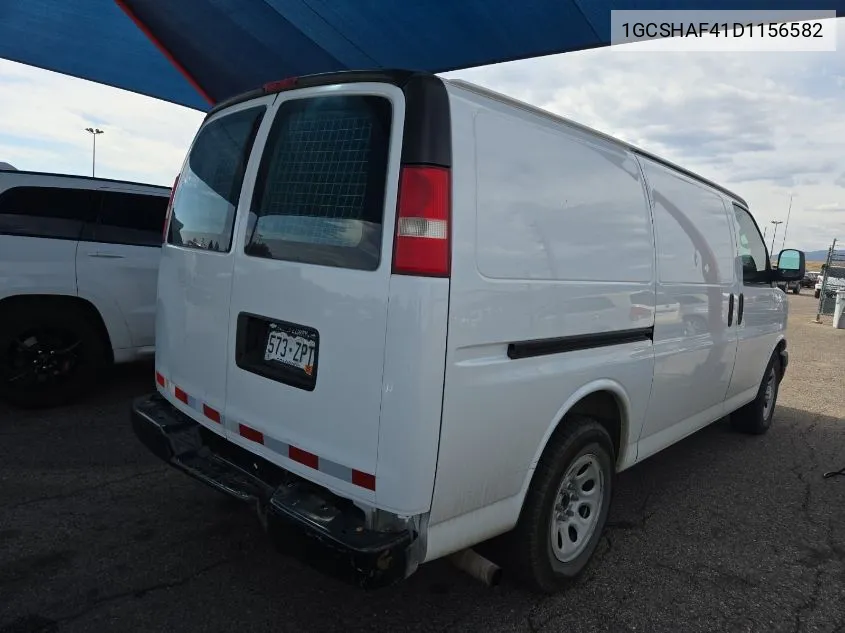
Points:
point(48, 356)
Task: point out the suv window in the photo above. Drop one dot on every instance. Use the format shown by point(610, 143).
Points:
point(319, 197)
point(752, 249)
point(209, 186)
point(130, 218)
point(56, 212)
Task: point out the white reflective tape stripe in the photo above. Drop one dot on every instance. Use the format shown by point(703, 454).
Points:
point(338, 471)
point(277, 446)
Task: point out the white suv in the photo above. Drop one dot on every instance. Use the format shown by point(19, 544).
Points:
point(78, 269)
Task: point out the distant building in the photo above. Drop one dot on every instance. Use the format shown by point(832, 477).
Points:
point(7, 167)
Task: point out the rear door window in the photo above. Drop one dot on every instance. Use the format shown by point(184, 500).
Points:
point(209, 186)
point(319, 197)
point(130, 218)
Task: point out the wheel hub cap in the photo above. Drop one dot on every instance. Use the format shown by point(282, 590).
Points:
point(577, 507)
point(769, 394)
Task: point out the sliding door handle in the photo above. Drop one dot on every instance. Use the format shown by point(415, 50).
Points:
point(731, 310)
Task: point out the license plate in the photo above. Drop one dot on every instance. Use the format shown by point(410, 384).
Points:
point(294, 348)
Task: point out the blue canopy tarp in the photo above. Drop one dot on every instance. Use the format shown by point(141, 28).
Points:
point(197, 52)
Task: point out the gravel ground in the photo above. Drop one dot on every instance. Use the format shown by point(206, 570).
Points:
point(721, 532)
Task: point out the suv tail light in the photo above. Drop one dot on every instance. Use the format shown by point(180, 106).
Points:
point(169, 211)
point(423, 233)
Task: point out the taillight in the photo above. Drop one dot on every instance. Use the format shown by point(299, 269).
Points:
point(169, 211)
point(422, 242)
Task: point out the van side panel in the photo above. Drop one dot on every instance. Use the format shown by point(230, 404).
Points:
point(694, 345)
point(552, 238)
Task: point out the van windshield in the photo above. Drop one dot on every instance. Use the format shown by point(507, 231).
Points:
point(319, 196)
point(209, 186)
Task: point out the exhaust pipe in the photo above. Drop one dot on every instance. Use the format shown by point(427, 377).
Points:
point(477, 566)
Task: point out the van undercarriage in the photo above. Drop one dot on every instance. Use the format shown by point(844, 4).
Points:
point(303, 520)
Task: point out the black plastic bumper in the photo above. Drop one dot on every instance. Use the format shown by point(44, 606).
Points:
point(303, 519)
point(784, 361)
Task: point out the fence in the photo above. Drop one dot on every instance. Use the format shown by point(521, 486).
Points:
point(833, 279)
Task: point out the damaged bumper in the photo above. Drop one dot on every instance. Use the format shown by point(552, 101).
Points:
point(304, 520)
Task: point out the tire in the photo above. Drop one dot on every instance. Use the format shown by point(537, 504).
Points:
point(796, 290)
point(531, 556)
point(817, 293)
point(29, 332)
point(755, 418)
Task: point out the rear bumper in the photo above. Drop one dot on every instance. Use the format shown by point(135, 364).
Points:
point(304, 520)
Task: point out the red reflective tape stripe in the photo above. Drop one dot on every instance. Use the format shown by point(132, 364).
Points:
point(160, 379)
point(210, 413)
point(251, 434)
point(365, 480)
point(303, 457)
point(181, 395)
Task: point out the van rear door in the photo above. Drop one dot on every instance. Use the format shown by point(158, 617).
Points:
point(197, 260)
point(312, 270)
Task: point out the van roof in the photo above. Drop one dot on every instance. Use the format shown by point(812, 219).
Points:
point(492, 94)
point(47, 174)
point(390, 76)
point(400, 77)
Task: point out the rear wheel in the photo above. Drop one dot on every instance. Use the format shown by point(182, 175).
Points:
point(49, 354)
point(756, 417)
point(796, 290)
point(565, 509)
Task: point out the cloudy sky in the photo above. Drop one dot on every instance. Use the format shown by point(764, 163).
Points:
point(766, 125)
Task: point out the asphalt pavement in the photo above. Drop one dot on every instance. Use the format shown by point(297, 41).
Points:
point(721, 532)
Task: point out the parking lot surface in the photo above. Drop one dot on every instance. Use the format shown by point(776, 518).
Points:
point(722, 532)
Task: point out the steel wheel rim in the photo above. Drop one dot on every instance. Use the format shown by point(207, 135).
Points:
point(769, 394)
point(577, 506)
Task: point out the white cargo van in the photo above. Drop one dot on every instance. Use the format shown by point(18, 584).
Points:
point(404, 315)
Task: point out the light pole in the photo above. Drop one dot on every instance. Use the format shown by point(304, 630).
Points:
point(94, 131)
point(786, 227)
point(774, 233)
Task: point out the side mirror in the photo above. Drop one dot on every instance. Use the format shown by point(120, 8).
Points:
point(790, 265)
